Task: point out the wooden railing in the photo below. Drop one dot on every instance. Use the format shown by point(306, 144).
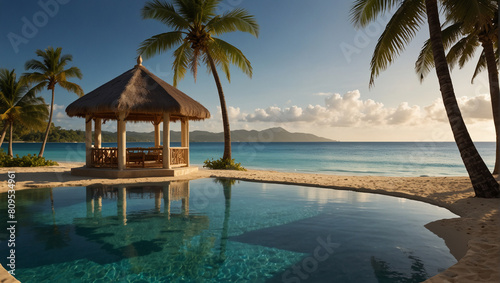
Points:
point(179, 156)
point(104, 157)
point(145, 157)
point(107, 157)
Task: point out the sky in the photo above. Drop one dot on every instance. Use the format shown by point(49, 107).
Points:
point(310, 69)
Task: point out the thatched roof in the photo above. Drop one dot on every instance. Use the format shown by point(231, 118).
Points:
point(141, 95)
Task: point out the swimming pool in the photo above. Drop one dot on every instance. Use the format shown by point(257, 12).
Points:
point(214, 230)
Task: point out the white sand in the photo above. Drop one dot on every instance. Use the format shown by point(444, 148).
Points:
point(474, 238)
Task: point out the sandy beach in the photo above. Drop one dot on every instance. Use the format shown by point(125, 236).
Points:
point(473, 238)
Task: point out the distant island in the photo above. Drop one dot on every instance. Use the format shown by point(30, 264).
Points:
point(277, 134)
point(270, 135)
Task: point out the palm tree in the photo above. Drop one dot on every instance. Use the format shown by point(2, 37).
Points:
point(50, 72)
point(194, 25)
point(466, 38)
point(19, 105)
point(400, 30)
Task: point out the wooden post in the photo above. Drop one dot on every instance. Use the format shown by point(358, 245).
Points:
point(88, 141)
point(122, 144)
point(97, 134)
point(185, 136)
point(166, 141)
point(157, 134)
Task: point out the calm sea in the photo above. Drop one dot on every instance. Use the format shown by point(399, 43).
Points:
point(340, 158)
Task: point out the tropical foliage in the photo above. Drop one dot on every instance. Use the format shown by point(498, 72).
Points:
point(223, 164)
point(51, 72)
point(194, 26)
point(25, 161)
point(408, 17)
point(19, 106)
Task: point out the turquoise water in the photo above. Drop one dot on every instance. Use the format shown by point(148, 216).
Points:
point(341, 158)
point(222, 231)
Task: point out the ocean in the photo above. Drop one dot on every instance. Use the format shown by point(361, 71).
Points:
point(409, 159)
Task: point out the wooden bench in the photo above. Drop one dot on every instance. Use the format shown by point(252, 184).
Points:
point(136, 157)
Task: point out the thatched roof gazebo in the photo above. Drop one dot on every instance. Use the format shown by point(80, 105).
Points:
point(136, 96)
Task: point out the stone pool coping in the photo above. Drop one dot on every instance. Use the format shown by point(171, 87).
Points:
point(473, 238)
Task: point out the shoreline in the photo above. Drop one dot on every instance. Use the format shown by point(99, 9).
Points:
point(472, 238)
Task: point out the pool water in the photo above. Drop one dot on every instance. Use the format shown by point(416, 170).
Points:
point(214, 230)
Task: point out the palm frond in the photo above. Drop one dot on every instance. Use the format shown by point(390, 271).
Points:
point(455, 52)
point(189, 10)
point(220, 50)
point(182, 56)
point(18, 102)
point(72, 87)
point(159, 43)
point(39, 87)
point(235, 20)
point(193, 63)
point(73, 72)
point(400, 30)
point(66, 58)
point(469, 51)
point(206, 10)
point(473, 14)
point(365, 11)
point(36, 66)
point(425, 61)
point(220, 62)
point(165, 13)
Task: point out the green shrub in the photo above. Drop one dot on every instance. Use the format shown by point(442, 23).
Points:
point(24, 161)
point(224, 164)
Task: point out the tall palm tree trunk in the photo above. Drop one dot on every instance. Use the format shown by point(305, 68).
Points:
point(48, 125)
point(4, 132)
point(482, 181)
point(11, 153)
point(225, 118)
point(495, 94)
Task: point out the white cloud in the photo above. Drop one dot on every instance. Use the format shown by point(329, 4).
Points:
point(474, 109)
point(58, 107)
point(61, 115)
point(350, 110)
point(343, 117)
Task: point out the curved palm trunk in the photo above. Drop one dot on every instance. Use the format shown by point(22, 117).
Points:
point(495, 95)
point(482, 181)
point(225, 118)
point(4, 132)
point(48, 125)
point(11, 153)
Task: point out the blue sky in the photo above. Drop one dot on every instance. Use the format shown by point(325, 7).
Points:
point(311, 69)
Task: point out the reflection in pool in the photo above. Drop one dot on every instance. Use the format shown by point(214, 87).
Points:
point(217, 230)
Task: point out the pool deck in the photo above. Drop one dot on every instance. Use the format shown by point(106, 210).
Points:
point(473, 238)
point(113, 173)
